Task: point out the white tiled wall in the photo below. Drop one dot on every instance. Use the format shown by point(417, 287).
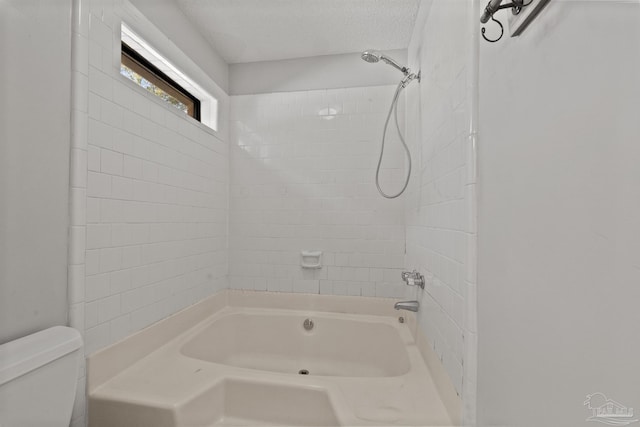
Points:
point(303, 168)
point(149, 196)
point(156, 202)
point(440, 211)
point(151, 235)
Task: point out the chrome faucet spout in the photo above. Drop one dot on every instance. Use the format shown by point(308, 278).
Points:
point(407, 305)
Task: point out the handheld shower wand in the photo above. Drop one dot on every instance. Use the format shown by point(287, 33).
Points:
point(373, 56)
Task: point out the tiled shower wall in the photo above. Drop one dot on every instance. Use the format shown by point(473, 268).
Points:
point(441, 210)
point(302, 178)
point(156, 201)
point(149, 186)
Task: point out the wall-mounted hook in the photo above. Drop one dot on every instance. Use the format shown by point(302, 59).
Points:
point(493, 6)
point(484, 30)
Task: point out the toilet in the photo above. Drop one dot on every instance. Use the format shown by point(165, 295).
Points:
point(38, 377)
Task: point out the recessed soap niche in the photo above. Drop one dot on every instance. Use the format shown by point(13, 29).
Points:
point(518, 23)
point(310, 260)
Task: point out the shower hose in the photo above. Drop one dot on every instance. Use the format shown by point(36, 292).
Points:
point(394, 110)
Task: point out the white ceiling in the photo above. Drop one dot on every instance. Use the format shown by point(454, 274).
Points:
point(263, 30)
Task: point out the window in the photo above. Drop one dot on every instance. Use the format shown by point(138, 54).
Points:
point(141, 71)
point(190, 92)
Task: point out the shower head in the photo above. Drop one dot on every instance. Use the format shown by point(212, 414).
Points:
point(373, 56)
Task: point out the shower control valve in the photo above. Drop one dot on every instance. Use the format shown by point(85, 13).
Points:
point(413, 278)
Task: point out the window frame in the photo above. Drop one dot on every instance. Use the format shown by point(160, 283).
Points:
point(142, 66)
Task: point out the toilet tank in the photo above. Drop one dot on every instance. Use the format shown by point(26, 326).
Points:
point(38, 377)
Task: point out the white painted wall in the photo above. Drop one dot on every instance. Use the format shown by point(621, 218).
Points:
point(35, 47)
point(440, 208)
point(559, 216)
point(313, 73)
point(303, 179)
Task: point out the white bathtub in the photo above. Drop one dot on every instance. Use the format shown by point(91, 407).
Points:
point(238, 362)
point(276, 341)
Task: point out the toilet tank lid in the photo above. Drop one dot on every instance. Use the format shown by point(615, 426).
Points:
point(25, 354)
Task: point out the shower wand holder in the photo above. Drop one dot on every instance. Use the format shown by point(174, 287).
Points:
point(409, 78)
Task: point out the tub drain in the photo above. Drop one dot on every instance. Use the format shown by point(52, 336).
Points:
point(303, 372)
point(308, 324)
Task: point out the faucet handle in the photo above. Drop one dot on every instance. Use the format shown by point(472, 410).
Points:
point(413, 278)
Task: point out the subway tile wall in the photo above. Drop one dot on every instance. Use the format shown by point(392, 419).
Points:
point(156, 203)
point(152, 193)
point(441, 209)
point(302, 178)
point(149, 196)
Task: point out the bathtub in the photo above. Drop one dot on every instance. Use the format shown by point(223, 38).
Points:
point(334, 345)
point(244, 358)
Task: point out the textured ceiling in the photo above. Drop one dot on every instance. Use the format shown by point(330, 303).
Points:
point(263, 30)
